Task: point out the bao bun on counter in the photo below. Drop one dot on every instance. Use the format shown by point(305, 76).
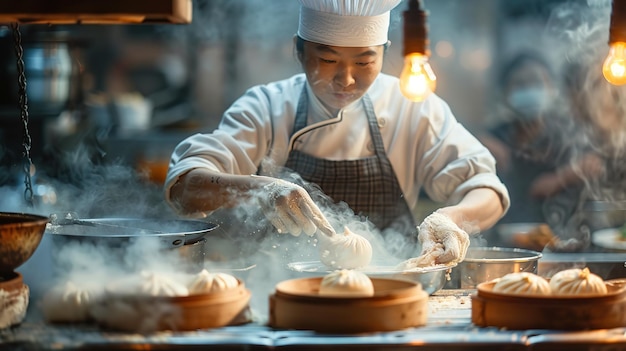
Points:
point(569, 282)
point(346, 282)
point(150, 301)
point(572, 299)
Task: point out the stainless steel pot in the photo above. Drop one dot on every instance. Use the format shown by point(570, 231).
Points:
point(482, 264)
point(48, 67)
point(185, 238)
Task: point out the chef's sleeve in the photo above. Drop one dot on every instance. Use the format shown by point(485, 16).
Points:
point(453, 161)
point(235, 147)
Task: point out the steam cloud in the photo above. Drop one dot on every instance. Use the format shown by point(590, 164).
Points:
point(102, 191)
point(586, 122)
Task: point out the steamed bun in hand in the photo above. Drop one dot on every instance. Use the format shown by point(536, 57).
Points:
point(523, 283)
point(346, 282)
point(577, 281)
point(345, 251)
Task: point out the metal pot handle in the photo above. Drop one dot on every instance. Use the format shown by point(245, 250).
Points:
point(173, 241)
point(70, 218)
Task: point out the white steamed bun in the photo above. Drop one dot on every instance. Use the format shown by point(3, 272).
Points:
point(523, 283)
point(345, 251)
point(206, 282)
point(577, 281)
point(149, 284)
point(346, 282)
point(68, 303)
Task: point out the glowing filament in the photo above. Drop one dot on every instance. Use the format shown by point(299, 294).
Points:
point(417, 79)
point(614, 68)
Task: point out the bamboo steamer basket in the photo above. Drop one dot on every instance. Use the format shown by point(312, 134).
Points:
point(396, 304)
point(14, 298)
point(181, 313)
point(520, 312)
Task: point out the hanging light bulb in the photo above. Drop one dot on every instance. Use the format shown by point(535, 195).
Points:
point(614, 67)
point(417, 79)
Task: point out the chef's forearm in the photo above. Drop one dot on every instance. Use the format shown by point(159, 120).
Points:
point(203, 190)
point(479, 210)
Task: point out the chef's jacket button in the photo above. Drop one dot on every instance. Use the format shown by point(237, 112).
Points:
point(370, 146)
point(381, 122)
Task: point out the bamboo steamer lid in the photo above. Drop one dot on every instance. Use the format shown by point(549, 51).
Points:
point(520, 312)
point(396, 304)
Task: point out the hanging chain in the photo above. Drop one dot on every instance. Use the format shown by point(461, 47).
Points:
point(23, 101)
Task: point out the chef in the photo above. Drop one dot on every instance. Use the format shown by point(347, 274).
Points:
point(345, 128)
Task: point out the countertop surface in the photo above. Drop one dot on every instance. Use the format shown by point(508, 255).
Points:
point(449, 327)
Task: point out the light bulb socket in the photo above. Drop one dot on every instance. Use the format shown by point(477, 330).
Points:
point(617, 29)
point(415, 30)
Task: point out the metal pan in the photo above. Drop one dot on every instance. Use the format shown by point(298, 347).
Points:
point(181, 239)
point(172, 233)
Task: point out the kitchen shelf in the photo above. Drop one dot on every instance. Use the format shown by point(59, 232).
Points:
point(96, 12)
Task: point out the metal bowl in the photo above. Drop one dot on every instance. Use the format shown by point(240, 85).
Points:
point(20, 234)
point(482, 264)
point(432, 279)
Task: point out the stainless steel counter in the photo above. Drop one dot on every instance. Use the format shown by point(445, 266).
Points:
point(449, 328)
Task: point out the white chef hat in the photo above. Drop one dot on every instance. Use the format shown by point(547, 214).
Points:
point(351, 23)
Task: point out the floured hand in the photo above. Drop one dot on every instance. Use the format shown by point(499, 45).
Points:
point(443, 242)
point(291, 210)
point(426, 259)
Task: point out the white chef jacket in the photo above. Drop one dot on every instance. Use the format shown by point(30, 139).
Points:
point(425, 144)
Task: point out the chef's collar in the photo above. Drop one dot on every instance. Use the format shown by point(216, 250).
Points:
point(347, 23)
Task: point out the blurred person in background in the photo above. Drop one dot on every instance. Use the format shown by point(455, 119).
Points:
point(344, 128)
point(537, 146)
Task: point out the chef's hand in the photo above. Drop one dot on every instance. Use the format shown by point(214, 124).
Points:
point(443, 242)
point(443, 239)
point(290, 208)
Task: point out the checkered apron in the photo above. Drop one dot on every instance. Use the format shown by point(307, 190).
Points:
point(368, 185)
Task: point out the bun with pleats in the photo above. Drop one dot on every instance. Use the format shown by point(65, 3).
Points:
point(149, 284)
point(577, 281)
point(69, 303)
point(206, 282)
point(522, 283)
point(346, 283)
point(345, 251)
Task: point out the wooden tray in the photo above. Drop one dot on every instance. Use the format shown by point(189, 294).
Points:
point(183, 313)
point(396, 304)
point(550, 312)
point(90, 12)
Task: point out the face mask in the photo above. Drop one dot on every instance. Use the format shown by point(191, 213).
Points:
point(529, 102)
